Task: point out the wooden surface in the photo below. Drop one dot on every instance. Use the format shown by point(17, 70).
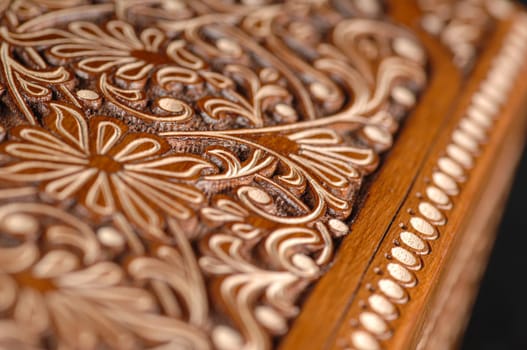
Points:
point(219, 175)
point(421, 313)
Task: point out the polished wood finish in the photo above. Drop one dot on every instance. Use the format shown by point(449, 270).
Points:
point(439, 303)
point(223, 175)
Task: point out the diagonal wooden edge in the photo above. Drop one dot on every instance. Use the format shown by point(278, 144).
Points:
point(439, 216)
point(349, 308)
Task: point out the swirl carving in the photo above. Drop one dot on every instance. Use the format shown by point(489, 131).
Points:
point(175, 174)
point(461, 25)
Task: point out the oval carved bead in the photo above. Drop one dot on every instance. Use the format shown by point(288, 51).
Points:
point(483, 102)
point(382, 306)
point(464, 140)
point(393, 291)
point(401, 274)
point(403, 96)
point(87, 95)
point(460, 155)
point(446, 183)
point(338, 227)
point(271, 319)
point(431, 213)
point(226, 338)
point(501, 80)
point(110, 237)
point(406, 258)
point(363, 340)
point(409, 49)
point(472, 128)
point(423, 227)
point(438, 196)
point(19, 224)
point(414, 242)
point(373, 323)
point(480, 117)
point(494, 92)
point(376, 134)
point(451, 168)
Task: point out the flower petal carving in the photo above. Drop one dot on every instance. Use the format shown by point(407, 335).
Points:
point(116, 168)
point(174, 175)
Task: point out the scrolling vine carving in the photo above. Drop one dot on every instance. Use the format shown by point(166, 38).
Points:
point(461, 25)
point(174, 174)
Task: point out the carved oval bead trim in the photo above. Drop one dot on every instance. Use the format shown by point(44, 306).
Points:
point(438, 197)
point(453, 168)
point(382, 306)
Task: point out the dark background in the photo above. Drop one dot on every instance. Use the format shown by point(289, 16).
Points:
point(499, 318)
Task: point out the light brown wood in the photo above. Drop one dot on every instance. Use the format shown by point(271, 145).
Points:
point(413, 315)
point(222, 175)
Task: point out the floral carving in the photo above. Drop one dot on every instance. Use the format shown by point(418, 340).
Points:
point(104, 167)
point(88, 300)
point(203, 151)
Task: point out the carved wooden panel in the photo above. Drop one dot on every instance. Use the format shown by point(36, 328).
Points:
point(174, 174)
point(179, 174)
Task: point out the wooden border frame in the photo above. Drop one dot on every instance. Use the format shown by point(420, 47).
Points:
point(484, 142)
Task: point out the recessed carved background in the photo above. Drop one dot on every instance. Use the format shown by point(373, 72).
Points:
point(174, 175)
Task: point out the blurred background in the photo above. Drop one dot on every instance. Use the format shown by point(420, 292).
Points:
point(499, 317)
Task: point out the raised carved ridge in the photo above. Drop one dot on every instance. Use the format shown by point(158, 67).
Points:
point(174, 174)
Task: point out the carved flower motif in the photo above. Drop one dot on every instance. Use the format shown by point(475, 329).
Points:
point(116, 46)
point(104, 167)
point(280, 192)
point(70, 290)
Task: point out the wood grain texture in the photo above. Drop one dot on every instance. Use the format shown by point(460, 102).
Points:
point(206, 174)
point(403, 328)
point(199, 157)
